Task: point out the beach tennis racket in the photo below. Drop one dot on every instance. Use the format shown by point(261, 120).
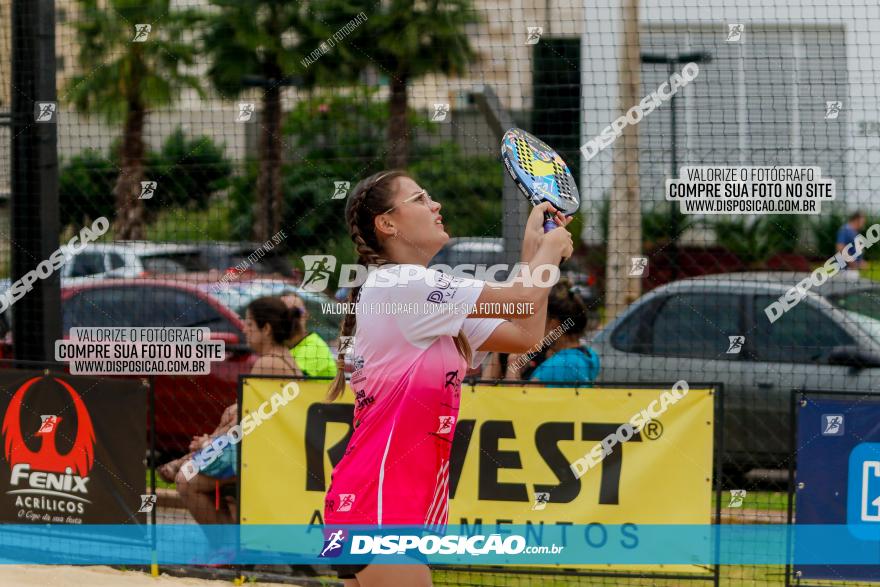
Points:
point(539, 173)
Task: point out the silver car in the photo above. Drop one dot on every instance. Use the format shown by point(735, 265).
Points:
point(715, 329)
point(127, 259)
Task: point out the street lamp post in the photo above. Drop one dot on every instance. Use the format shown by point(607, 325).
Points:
point(672, 61)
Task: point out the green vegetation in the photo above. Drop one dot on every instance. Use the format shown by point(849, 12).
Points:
point(122, 80)
point(764, 500)
point(336, 138)
point(189, 173)
point(181, 224)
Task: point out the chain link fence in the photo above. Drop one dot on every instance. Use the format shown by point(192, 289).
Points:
point(222, 140)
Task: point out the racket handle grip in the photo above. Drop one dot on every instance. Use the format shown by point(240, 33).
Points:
point(549, 223)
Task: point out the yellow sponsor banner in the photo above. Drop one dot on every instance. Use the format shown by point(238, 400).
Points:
point(514, 446)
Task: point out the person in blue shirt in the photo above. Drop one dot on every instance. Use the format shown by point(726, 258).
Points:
point(846, 237)
point(562, 358)
point(566, 358)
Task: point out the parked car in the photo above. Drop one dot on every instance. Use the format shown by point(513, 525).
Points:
point(185, 405)
point(126, 259)
point(474, 250)
point(225, 257)
point(471, 249)
point(828, 341)
point(236, 295)
point(488, 251)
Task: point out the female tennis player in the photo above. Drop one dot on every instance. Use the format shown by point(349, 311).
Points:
point(410, 357)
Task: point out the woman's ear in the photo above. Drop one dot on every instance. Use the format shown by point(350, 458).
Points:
point(383, 226)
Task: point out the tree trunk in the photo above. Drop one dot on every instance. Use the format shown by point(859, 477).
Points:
point(625, 215)
point(127, 191)
point(269, 209)
point(398, 132)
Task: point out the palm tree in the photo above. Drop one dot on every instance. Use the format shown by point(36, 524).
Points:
point(128, 70)
point(408, 39)
point(755, 240)
point(262, 44)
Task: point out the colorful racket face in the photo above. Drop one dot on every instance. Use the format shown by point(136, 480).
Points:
point(539, 172)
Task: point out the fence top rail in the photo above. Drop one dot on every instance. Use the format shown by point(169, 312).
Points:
point(472, 381)
point(835, 392)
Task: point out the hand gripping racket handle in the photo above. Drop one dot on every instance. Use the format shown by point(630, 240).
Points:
point(550, 224)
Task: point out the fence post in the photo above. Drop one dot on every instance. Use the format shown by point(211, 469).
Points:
point(718, 458)
point(792, 453)
point(34, 160)
point(150, 383)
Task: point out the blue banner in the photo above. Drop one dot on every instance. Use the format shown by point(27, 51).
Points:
point(838, 476)
point(549, 544)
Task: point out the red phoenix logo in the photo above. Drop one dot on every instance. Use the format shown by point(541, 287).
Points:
point(81, 455)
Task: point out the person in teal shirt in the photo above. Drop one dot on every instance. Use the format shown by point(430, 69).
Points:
point(308, 349)
point(562, 358)
point(567, 359)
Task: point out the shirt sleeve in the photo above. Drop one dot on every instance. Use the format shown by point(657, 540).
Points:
point(843, 236)
point(432, 304)
point(477, 331)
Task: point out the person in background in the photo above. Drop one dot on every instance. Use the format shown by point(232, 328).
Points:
point(563, 358)
point(846, 236)
point(308, 349)
point(268, 326)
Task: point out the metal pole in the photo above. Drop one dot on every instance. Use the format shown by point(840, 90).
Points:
point(673, 218)
point(34, 157)
point(625, 207)
point(514, 207)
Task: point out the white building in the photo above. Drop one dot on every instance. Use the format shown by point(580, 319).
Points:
point(761, 100)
